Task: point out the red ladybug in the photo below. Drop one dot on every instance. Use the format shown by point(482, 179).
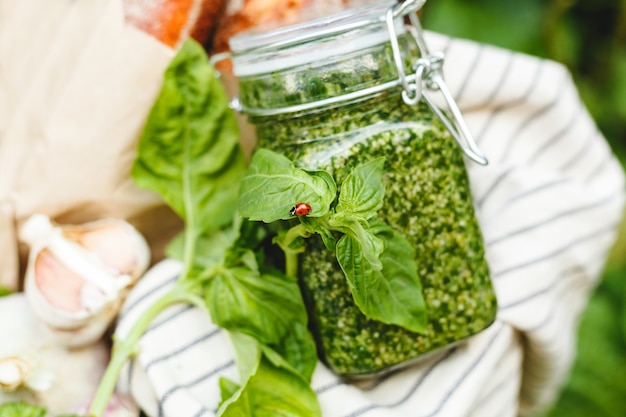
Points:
point(300, 209)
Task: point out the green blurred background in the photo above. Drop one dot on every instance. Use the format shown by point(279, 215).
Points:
point(589, 37)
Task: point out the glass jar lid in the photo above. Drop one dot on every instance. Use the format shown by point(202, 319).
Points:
point(263, 51)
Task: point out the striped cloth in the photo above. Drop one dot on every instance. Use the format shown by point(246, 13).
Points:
point(549, 204)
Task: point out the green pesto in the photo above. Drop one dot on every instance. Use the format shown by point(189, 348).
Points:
point(356, 71)
point(427, 199)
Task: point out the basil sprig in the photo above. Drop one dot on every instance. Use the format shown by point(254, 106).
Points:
point(190, 154)
point(378, 261)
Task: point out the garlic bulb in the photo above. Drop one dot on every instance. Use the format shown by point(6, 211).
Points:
point(36, 369)
point(77, 276)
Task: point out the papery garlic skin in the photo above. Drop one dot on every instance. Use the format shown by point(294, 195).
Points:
point(125, 259)
point(39, 380)
point(20, 372)
point(56, 377)
point(74, 282)
point(13, 371)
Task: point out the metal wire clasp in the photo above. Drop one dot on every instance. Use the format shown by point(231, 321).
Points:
point(429, 73)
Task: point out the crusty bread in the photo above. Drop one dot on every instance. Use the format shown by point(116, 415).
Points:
point(172, 21)
point(253, 13)
point(214, 22)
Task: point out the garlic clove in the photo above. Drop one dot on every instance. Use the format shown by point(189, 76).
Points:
point(17, 372)
point(114, 244)
point(77, 276)
point(12, 373)
point(61, 286)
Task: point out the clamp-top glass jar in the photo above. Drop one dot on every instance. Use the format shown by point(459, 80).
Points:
point(333, 93)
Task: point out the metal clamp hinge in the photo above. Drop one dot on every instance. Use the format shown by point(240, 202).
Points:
point(429, 73)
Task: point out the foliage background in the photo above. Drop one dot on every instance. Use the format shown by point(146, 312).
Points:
point(589, 37)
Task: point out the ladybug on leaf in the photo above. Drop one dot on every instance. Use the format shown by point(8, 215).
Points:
point(300, 209)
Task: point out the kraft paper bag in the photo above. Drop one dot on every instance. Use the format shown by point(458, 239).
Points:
point(76, 85)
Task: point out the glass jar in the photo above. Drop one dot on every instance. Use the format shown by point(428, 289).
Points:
point(333, 93)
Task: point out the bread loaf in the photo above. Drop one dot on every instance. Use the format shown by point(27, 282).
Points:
point(214, 22)
point(172, 21)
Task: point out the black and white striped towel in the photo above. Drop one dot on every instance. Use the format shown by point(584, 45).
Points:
point(549, 204)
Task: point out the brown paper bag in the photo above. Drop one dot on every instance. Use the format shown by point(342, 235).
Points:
point(76, 84)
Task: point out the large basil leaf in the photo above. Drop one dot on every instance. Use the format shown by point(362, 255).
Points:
point(362, 192)
point(273, 185)
point(264, 306)
point(272, 391)
point(271, 385)
point(189, 151)
point(392, 295)
point(298, 349)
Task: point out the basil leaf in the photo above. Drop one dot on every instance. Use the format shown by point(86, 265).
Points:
point(271, 387)
point(228, 388)
point(321, 227)
point(21, 409)
point(298, 349)
point(272, 186)
point(251, 234)
point(272, 391)
point(261, 305)
point(246, 258)
point(392, 295)
point(297, 346)
point(371, 245)
point(327, 238)
point(247, 353)
point(189, 151)
point(362, 192)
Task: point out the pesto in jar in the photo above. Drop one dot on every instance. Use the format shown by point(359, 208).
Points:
point(427, 200)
